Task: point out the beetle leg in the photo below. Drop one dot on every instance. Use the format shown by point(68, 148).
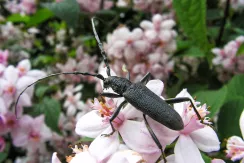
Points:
point(146, 78)
point(128, 76)
point(110, 95)
point(114, 115)
point(154, 137)
point(184, 99)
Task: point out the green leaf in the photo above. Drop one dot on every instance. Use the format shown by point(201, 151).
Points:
point(15, 18)
point(214, 99)
point(194, 52)
point(39, 17)
point(67, 10)
point(229, 116)
point(192, 17)
point(3, 156)
point(41, 90)
point(240, 50)
point(51, 108)
point(206, 158)
point(235, 87)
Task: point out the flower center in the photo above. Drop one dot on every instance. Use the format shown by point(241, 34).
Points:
point(10, 90)
point(34, 136)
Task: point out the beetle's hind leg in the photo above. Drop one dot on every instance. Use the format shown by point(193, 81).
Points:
point(114, 115)
point(155, 139)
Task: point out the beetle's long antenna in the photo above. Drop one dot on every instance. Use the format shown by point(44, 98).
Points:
point(105, 58)
point(52, 75)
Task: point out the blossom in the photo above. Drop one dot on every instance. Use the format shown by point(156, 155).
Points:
point(236, 5)
point(22, 7)
point(96, 122)
point(195, 135)
point(94, 6)
point(4, 57)
point(235, 144)
point(160, 31)
point(86, 155)
point(31, 133)
point(227, 60)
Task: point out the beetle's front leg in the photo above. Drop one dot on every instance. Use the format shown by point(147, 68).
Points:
point(146, 78)
point(114, 115)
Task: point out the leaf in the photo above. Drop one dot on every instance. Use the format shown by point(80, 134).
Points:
point(3, 156)
point(229, 115)
point(206, 158)
point(194, 52)
point(192, 16)
point(214, 99)
point(51, 108)
point(235, 87)
point(15, 18)
point(240, 50)
point(41, 90)
point(67, 10)
point(39, 17)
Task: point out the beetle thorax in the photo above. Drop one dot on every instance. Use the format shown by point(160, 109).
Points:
point(118, 84)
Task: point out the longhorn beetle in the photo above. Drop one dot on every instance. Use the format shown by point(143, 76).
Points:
point(137, 94)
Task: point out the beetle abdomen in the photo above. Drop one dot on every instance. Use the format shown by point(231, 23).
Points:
point(152, 105)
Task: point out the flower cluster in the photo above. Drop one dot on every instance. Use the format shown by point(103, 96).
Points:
point(236, 5)
point(235, 144)
point(131, 128)
point(28, 133)
point(82, 63)
point(143, 50)
point(153, 6)
point(228, 59)
point(22, 7)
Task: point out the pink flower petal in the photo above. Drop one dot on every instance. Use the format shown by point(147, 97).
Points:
point(55, 158)
point(90, 125)
point(156, 86)
point(206, 139)
point(146, 25)
point(217, 161)
point(242, 124)
point(25, 64)
point(126, 156)
point(37, 74)
point(103, 147)
point(134, 138)
point(83, 157)
point(11, 74)
point(186, 151)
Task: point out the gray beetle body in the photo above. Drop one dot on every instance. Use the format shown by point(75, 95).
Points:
point(143, 99)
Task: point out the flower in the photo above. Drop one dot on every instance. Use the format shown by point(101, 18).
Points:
point(235, 144)
point(86, 155)
point(31, 133)
point(4, 57)
point(96, 123)
point(195, 135)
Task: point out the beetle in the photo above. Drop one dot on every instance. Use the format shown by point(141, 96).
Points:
point(137, 94)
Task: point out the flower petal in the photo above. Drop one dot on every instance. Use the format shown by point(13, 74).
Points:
point(186, 151)
point(126, 156)
point(90, 125)
point(156, 86)
point(55, 158)
point(206, 139)
point(134, 138)
point(217, 161)
point(242, 123)
point(102, 147)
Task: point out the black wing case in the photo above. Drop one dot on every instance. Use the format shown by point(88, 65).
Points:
point(152, 105)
